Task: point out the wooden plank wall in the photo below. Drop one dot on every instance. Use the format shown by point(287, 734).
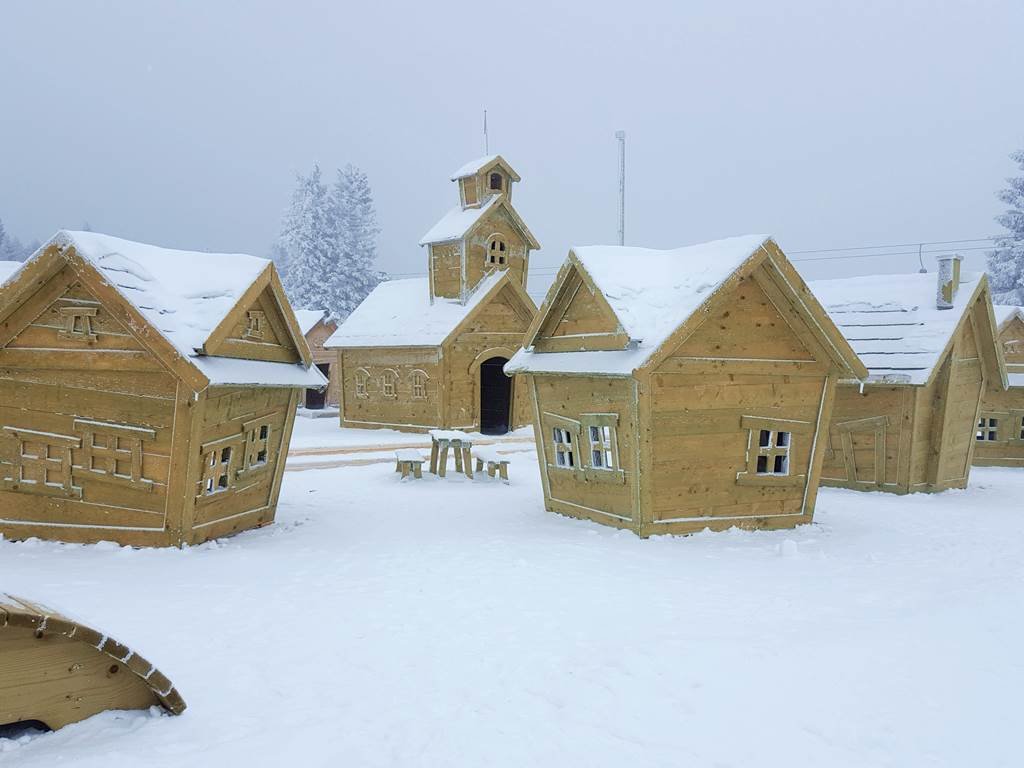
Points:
point(1007, 407)
point(854, 413)
point(401, 412)
point(699, 447)
point(225, 411)
point(966, 383)
point(573, 493)
point(47, 381)
point(446, 269)
point(495, 222)
point(500, 325)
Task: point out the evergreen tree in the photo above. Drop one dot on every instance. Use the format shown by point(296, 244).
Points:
point(357, 230)
point(1006, 262)
point(309, 241)
point(3, 237)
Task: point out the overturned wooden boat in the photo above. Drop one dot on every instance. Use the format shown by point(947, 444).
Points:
point(55, 671)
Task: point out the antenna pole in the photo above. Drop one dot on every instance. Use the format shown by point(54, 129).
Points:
point(621, 136)
point(487, 149)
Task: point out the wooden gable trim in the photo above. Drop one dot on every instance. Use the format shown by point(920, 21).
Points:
point(986, 337)
point(488, 167)
point(267, 279)
point(517, 221)
point(41, 274)
point(131, 318)
point(527, 308)
point(697, 317)
point(560, 296)
point(816, 317)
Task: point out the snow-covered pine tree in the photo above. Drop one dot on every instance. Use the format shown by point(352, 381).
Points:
point(1006, 262)
point(356, 223)
point(3, 237)
point(309, 240)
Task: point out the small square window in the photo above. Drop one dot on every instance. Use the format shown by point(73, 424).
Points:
point(564, 454)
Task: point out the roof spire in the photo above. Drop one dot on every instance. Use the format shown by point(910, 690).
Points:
point(487, 149)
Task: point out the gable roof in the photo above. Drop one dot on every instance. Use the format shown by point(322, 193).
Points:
point(398, 313)
point(457, 222)
point(892, 322)
point(184, 295)
point(478, 164)
point(1004, 314)
point(308, 318)
point(653, 294)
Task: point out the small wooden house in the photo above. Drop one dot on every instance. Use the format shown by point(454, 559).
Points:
point(999, 439)
point(147, 395)
point(316, 326)
point(427, 353)
point(680, 390)
point(929, 345)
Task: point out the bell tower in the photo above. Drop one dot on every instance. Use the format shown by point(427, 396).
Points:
point(482, 235)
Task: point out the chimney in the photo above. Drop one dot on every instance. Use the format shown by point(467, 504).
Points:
point(949, 280)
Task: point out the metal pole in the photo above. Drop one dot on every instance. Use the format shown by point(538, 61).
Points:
point(621, 136)
point(487, 149)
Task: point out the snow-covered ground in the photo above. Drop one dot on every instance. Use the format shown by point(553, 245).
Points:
point(456, 623)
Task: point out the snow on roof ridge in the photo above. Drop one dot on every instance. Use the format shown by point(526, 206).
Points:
point(398, 313)
point(652, 293)
point(183, 294)
point(474, 165)
point(458, 221)
point(308, 318)
point(1005, 312)
point(891, 320)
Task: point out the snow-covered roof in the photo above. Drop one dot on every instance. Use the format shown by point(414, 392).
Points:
point(398, 313)
point(184, 295)
point(457, 222)
point(473, 167)
point(8, 268)
point(1005, 312)
point(892, 323)
point(308, 318)
point(652, 293)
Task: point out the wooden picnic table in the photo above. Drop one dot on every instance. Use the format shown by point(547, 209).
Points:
point(461, 443)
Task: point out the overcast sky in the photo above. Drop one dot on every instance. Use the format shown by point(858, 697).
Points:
point(825, 124)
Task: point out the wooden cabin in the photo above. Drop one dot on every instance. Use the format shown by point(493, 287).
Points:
point(316, 326)
point(999, 439)
point(680, 390)
point(427, 353)
point(929, 344)
point(147, 395)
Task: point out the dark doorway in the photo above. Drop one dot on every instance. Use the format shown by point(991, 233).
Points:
point(317, 398)
point(495, 397)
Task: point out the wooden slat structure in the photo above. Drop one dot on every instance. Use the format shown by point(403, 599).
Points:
point(426, 353)
point(145, 397)
point(680, 390)
point(999, 435)
point(930, 349)
point(57, 671)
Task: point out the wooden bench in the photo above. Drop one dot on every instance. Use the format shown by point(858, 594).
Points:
point(495, 461)
point(409, 459)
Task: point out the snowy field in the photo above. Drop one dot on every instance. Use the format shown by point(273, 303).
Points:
point(456, 623)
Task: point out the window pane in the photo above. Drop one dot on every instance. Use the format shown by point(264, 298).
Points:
point(598, 458)
point(780, 465)
point(762, 463)
point(765, 439)
point(783, 439)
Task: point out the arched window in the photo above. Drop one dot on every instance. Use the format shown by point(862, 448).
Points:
point(389, 383)
point(419, 385)
point(495, 182)
point(362, 377)
point(497, 250)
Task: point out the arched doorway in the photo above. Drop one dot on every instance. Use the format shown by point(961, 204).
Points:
point(495, 397)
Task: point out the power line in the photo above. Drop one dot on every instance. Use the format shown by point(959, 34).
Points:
point(917, 252)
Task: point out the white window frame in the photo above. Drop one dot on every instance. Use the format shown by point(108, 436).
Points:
point(362, 379)
point(389, 383)
point(989, 427)
point(418, 383)
point(497, 257)
point(771, 439)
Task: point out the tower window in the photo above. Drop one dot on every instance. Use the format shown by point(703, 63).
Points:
point(497, 250)
point(495, 182)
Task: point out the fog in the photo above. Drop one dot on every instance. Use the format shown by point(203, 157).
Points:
point(828, 125)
